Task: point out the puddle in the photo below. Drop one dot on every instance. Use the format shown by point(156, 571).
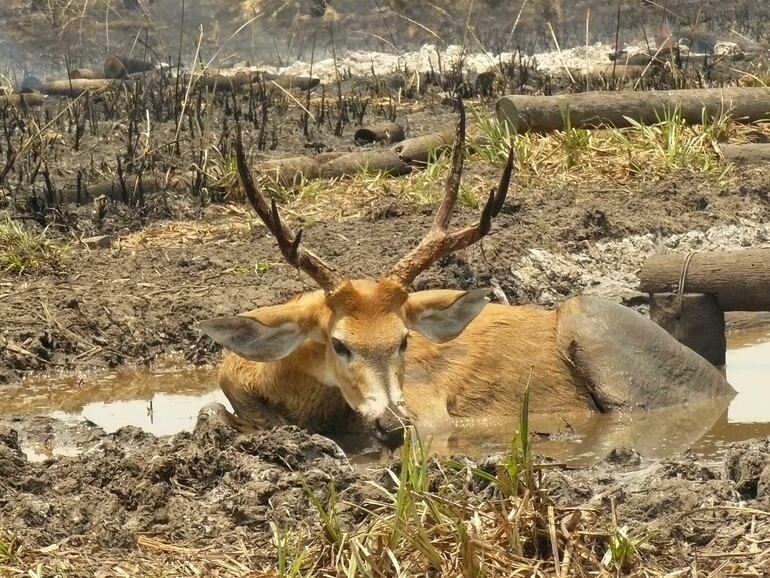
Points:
point(162, 400)
point(167, 398)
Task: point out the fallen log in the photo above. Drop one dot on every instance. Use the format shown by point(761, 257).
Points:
point(385, 161)
point(380, 133)
point(418, 150)
point(601, 73)
point(288, 81)
point(291, 171)
point(112, 189)
point(595, 109)
point(746, 154)
point(221, 82)
point(656, 57)
point(618, 70)
point(77, 86)
point(23, 100)
point(88, 73)
point(637, 59)
point(115, 67)
point(740, 280)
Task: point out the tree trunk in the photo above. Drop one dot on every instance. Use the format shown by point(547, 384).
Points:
point(595, 109)
point(740, 280)
point(746, 154)
point(21, 100)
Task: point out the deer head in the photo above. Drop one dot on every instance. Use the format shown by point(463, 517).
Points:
point(363, 325)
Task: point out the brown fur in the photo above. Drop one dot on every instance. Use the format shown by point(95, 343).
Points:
point(481, 373)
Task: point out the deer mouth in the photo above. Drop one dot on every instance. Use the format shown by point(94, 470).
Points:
point(389, 429)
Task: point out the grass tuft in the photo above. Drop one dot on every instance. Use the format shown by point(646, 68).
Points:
point(23, 251)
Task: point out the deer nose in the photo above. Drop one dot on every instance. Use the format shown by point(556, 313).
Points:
point(389, 428)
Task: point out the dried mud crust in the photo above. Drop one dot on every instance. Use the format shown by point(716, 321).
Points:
point(193, 488)
point(130, 305)
point(215, 488)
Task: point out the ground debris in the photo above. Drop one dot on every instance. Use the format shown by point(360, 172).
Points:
point(216, 501)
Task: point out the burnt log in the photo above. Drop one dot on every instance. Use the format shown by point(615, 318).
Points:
point(381, 133)
point(115, 67)
point(23, 100)
point(77, 86)
point(112, 189)
point(288, 81)
point(87, 73)
point(221, 82)
point(619, 109)
point(740, 280)
point(746, 154)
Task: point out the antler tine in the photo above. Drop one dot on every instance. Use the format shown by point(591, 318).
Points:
point(288, 242)
point(439, 243)
point(452, 186)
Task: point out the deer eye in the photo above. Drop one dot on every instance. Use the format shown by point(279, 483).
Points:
point(404, 344)
point(341, 349)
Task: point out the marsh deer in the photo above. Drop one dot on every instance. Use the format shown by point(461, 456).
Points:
point(365, 351)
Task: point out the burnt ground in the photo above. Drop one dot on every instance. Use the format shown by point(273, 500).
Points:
point(208, 498)
point(185, 255)
point(132, 304)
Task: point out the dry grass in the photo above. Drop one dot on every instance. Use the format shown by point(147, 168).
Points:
point(595, 159)
point(230, 221)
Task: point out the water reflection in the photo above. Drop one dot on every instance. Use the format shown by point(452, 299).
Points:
point(162, 400)
point(166, 399)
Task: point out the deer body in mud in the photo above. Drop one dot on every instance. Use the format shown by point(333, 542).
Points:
point(370, 353)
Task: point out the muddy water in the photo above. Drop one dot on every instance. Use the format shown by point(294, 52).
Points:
point(166, 399)
point(162, 400)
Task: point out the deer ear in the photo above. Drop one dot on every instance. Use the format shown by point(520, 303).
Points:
point(443, 315)
point(253, 340)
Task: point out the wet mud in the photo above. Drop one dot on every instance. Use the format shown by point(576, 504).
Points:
point(211, 488)
point(69, 334)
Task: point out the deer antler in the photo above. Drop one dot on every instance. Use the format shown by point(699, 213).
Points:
point(288, 242)
point(439, 242)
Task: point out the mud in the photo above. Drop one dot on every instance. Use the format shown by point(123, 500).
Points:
point(213, 488)
point(181, 256)
point(196, 488)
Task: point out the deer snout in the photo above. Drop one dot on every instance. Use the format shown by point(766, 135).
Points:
point(389, 427)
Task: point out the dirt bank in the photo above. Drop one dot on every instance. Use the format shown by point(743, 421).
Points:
point(214, 499)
